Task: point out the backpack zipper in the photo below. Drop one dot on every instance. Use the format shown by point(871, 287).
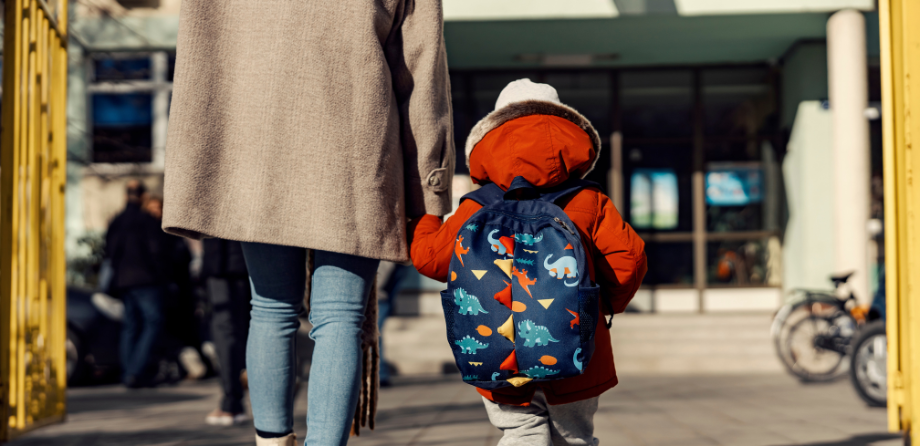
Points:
point(564, 226)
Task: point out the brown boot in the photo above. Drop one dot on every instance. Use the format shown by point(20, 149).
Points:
point(287, 440)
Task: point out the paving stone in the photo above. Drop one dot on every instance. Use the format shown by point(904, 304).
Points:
point(694, 410)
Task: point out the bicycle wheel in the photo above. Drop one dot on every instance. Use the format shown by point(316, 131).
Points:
point(869, 364)
point(810, 359)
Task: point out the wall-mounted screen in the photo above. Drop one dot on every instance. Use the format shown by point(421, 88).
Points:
point(734, 184)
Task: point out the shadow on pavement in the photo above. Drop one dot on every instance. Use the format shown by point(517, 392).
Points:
point(433, 415)
point(121, 399)
point(147, 437)
point(856, 440)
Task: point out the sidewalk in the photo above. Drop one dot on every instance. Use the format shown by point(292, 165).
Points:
point(730, 410)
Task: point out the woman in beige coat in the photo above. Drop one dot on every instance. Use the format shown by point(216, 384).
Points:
point(302, 125)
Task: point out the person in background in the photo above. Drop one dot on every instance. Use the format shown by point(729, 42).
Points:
point(134, 249)
point(390, 278)
point(179, 343)
point(223, 269)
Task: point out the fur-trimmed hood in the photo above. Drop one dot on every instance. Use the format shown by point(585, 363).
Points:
point(529, 138)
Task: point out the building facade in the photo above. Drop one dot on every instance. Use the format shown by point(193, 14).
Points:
point(718, 141)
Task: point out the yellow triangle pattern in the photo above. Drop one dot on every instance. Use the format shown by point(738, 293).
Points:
point(507, 329)
point(519, 381)
point(477, 364)
point(546, 302)
point(505, 265)
point(479, 273)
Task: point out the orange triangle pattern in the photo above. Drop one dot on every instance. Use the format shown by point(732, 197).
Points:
point(569, 246)
point(504, 296)
point(510, 363)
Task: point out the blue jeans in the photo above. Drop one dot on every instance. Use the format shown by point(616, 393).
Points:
point(141, 328)
point(341, 284)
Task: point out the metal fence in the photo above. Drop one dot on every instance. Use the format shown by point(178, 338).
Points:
point(900, 45)
point(32, 180)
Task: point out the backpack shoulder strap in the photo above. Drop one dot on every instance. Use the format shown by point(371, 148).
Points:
point(568, 188)
point(486, 195)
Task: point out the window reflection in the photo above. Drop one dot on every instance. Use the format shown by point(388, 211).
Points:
point(738, 262)
point(122, 127)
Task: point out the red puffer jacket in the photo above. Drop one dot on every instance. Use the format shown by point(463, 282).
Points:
point(547, 150)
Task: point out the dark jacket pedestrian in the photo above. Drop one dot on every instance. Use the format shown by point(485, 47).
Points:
point(180, 325)
point(133, 244)
point(223, 270)
point(135, 250)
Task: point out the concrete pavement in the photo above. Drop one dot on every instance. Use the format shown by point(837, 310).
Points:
point(731, 410)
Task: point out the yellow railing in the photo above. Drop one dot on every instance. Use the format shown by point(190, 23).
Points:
point(32, 179)
point(900, 54)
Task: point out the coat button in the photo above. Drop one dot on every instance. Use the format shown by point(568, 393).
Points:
point(434, 181)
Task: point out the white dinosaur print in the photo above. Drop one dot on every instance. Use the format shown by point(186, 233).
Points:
point(563, 267)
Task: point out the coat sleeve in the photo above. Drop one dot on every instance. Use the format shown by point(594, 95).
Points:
point(418, 64)
point(621, 265)
point(432, 243)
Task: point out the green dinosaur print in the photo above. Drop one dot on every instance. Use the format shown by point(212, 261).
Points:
point(469, 345)
point(471, 377)
point(524, 261)
point(528, 239)
point(534, 334)
point(495, 375)
point(538, 372)
point(468, 303)
point(472, 227)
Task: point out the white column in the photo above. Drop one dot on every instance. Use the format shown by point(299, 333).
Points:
point(161, 95)
point(848, 91)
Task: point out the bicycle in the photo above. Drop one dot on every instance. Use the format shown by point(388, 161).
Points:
point(869, 354)
point(812, 335)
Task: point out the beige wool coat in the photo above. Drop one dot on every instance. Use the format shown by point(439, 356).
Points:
point(309, 123)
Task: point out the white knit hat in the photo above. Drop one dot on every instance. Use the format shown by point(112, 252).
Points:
point(524, 98)
point(525, 90)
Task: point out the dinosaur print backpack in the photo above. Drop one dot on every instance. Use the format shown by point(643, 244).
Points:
point(520, 305)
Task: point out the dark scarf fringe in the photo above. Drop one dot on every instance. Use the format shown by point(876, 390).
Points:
point(370, 368)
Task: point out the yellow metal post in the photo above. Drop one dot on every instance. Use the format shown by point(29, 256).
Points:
point(900, 57)
point(33, 157)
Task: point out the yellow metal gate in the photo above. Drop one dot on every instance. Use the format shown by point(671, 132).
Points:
point(900, 45)
point(32, 179)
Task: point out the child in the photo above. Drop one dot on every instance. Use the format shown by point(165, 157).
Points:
point(532, 134)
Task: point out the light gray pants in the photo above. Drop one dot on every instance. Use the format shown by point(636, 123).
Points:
point(540, 424)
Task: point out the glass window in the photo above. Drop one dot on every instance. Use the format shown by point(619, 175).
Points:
point(122, 68)
point(657, 185)
point(656, 104)
point(734, 197)
point(734, 150)
point(738, 102)
point(669, 263)
point(653, 199)
point(738, 262)
point(170, 67)
point(122, 127)
point(463, 122)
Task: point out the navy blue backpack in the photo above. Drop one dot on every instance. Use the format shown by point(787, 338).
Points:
point(520, 305)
